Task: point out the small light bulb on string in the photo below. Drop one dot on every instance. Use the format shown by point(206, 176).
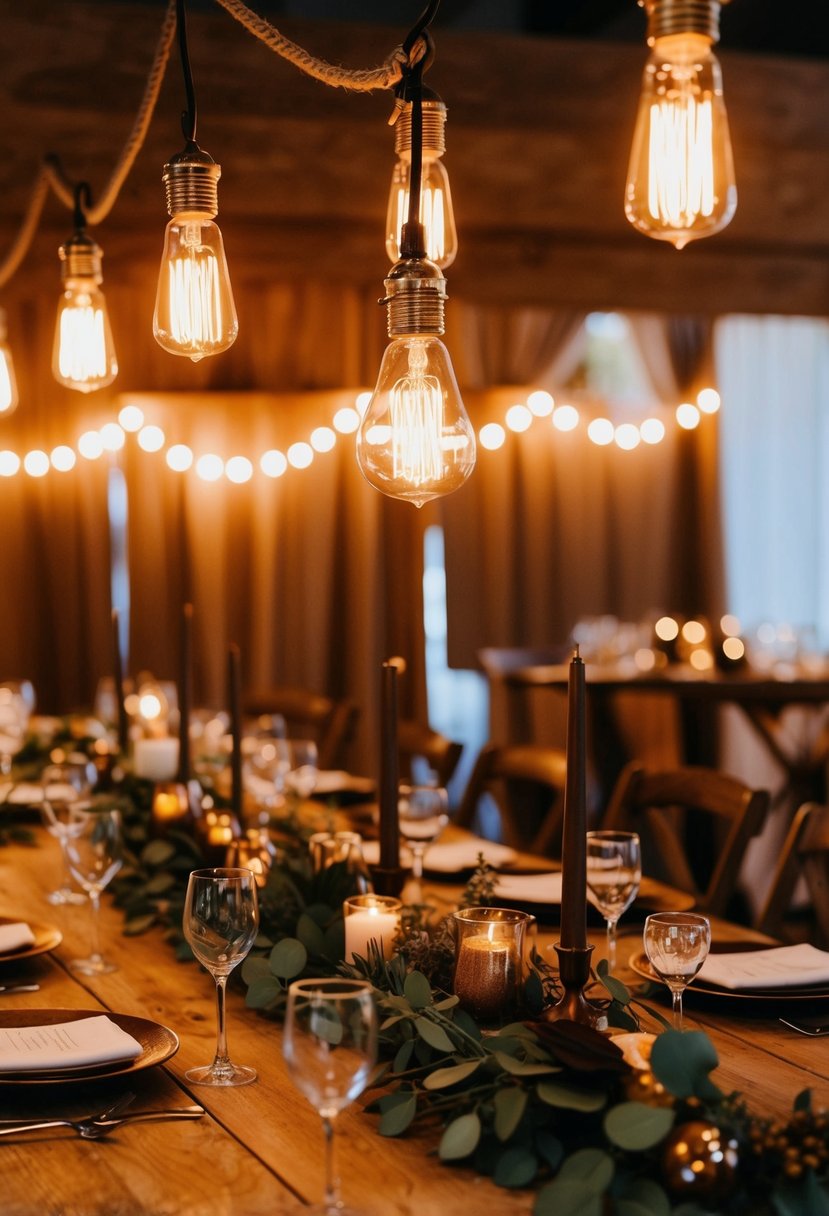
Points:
point(436, 212)
point(195, 314)
point(415, 440)
point(680, 183)
point(8, 382)
point(83, 356)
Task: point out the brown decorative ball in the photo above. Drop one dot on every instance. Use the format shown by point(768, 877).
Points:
point(700, 1162)
point(642, 1086)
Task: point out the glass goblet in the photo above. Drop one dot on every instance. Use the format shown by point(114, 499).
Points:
point(221, 920)
point(94, 849)
point(65, 787)
point(677, 945)
point(422, 813)
point(330, 1046)
point(614, 871)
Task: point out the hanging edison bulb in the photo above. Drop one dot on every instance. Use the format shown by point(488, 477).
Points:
point(83, 355)
point(195, 314)
point(8, 381)
point(680, 183)
point(436, 214)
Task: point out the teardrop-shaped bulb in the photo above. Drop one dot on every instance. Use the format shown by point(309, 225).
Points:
point(194, 310)
point(83, 355)
point(680, 183)
point(436, 214)
point(416, 441)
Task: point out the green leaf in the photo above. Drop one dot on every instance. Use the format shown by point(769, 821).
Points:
point(460, 1138)
point(591, 1166)
point(798, 1198)
point(619, 991)
point(682, 1062)
point(404, 1055)
point(571, 1097)
point(643, 1197)
point(139, 924)
point(442, 1078)
point(417, 990)
point(335, 939)
point(255, 968)
point(398, 1110)
point(262, 992)
point(310, 934)
point(288, 958)
point(803, 1101)
point(567, 1198)
point(518, 1068)
point(157, 852)
point(516, 1167)
point(160, 884)
point(549, 1147)
point(467, 1024)
point(448, 1002)
point(636, 1127)
point(433, 1034)
point(510, 1105)
point(320, 914)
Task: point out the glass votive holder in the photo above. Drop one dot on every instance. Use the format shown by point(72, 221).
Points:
point(370, 918)
point(254, 851)
point(491, 946)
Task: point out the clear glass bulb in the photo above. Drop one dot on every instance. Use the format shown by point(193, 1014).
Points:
point(680, 183)
point(416, 441)
point(8, 381)
point(194, 310)
point(83, 356)
point(436, 214)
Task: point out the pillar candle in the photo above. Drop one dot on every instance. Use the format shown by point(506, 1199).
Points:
point(485, 975)
point(118, 676)
point(156, 759)
point(574, 842)
point(388, 792)
point(371, 922)
point(185, 685)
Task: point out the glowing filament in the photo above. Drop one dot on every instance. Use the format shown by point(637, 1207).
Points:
point(432, 207)
point(681, 160)
point(82, 344)
point(416, 405)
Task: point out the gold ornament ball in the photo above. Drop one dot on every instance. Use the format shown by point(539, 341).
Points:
point(643, 1087)
point(700, 1162)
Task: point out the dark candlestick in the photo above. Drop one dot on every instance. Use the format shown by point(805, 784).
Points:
point(123, 725)
point(185, 688)
point(389, 825)
point(234, 690)
point(574, 843)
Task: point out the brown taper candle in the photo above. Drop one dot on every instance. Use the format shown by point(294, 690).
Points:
point(389, 824)
point(574, 843)
point(185, 692)
point(234, 693)
point(118, 675)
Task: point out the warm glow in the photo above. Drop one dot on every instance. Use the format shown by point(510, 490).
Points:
point(149, 705)
point(730, 625)
point(62, 458)
point(436, 214)
point(210, 467)
point(36, 463)
point(273, 463)
point(600, 431)
point(766, 633)
point(666, 629)
point(644, 659)
point(131, 418)
point(238, 469)
point(151, 439)
point(492, 436)
point(541, 403)
point(112, 437)
point(519, 418)
point(627, 436)
point(346, 420)
point(687, 415)
point(708, 400)
point(701, 660)
point(566, 418)
point(733, 649)
point(323, 439)
point(300, 455)
point(90, 445)
point(194, 310)
point(652, 430)
point(693, 632)
point(179, 458)
point(362, 402)
point(84, 355)
point(8, 382)
point(9, 463)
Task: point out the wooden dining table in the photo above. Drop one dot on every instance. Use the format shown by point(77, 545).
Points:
point(259, 1148)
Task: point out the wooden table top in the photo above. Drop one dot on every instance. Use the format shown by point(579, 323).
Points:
point(259, 1148)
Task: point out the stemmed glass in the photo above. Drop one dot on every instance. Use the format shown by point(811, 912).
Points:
point(677, 945)
point(14, 719)
point(301, 762)
point(423, 813)
point(614, 871)
point(221, 919)
point(94, 849)
point(330, 1046)
point(65, 786)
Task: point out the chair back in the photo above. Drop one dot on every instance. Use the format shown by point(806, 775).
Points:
point(805, 853)
point(329, 722)
point(526, 782)
point(666, 809)
point(418, 742)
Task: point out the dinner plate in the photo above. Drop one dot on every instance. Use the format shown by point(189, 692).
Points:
point(47, 937)
point(158, 1043)
point(817, 992)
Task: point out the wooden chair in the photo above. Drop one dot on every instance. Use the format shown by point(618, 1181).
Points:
point(669, 809)
point(311, 715)
point(805, 852)
point(417, 742)
point(526, 782)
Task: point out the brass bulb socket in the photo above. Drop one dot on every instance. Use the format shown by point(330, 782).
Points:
point(415, 298)
point(191, 182)
point(80, 258)
point(434, 130)
point(668, 17)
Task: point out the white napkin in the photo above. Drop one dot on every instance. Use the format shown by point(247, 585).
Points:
point(449, 858)
point(337, 781)
point(94, 1040)
point(530, 888)
point(778, 967)
point(22, 794)
point(14, 936)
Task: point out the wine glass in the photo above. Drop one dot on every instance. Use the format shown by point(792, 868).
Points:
point(94, 849)
point(221, 920)
point(422, 813)
point(301, 762)
point(677, 945)
point(330, 1046)
point(614, 871)
point(14, 719)
point(66, 787)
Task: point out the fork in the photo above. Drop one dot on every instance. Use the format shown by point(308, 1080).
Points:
point(9, 1126)
point(98, 1126)
point(812, 1031)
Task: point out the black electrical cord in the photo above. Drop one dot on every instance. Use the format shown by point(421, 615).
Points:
point(82, 192)
point(190, 115)
point(413, 237)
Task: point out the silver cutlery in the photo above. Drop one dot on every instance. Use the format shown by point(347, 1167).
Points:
point(7, 988)
point(814, 1031)
point(7, 1126)
point(96, 1127)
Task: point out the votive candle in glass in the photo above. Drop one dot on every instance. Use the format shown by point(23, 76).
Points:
point(370, 918)
point(489, 959)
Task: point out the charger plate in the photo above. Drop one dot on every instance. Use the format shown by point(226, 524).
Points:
point(47, 937)
point(639, 963)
